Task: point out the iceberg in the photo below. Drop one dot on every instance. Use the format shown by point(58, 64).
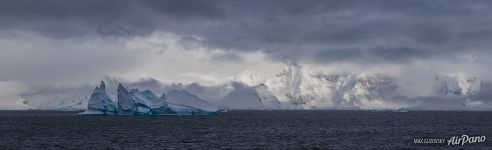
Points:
point(136, 102)
point(401, 109)
point(180, 102)
point(100, 102)
point(126, 104)
point(181, 97)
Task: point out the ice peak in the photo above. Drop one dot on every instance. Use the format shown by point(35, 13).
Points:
point(120, 86)
point(125, 100)
point(162, 98)
point(102, 85)
point(100, 101)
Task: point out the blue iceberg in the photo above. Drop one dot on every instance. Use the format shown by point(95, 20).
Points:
point(136, 102)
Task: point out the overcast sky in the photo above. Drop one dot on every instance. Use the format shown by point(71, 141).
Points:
point(61, 42)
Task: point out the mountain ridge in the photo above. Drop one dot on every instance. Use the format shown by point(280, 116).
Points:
point(294, 87)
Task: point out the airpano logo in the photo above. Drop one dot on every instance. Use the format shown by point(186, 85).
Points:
point(455, 140)
point(464, 139)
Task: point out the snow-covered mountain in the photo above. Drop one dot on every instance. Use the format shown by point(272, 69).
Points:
point(296, 88)
point(58, 98)
point(293, 87)
point(243, 97)
point(286, 85)
point(456, 86)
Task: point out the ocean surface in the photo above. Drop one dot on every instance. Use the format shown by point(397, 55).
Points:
point(285, 129)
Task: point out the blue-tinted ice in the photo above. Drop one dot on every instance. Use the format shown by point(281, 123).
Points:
point(135, 102)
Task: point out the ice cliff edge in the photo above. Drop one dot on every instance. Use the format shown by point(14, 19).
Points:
point(136, 102)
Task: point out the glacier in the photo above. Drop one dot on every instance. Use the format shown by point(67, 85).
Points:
point(136, 102)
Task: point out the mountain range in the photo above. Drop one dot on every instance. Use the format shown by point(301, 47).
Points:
point(295, 87)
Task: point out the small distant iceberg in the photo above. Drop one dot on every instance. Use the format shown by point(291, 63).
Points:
point(136, 102)
point(401, 109)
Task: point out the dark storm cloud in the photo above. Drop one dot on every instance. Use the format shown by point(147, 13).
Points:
point(394, 31)
point(59, 18)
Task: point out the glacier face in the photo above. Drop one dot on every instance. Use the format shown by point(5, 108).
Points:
point(136, 102)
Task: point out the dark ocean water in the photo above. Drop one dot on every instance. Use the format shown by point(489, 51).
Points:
point(242, 130)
